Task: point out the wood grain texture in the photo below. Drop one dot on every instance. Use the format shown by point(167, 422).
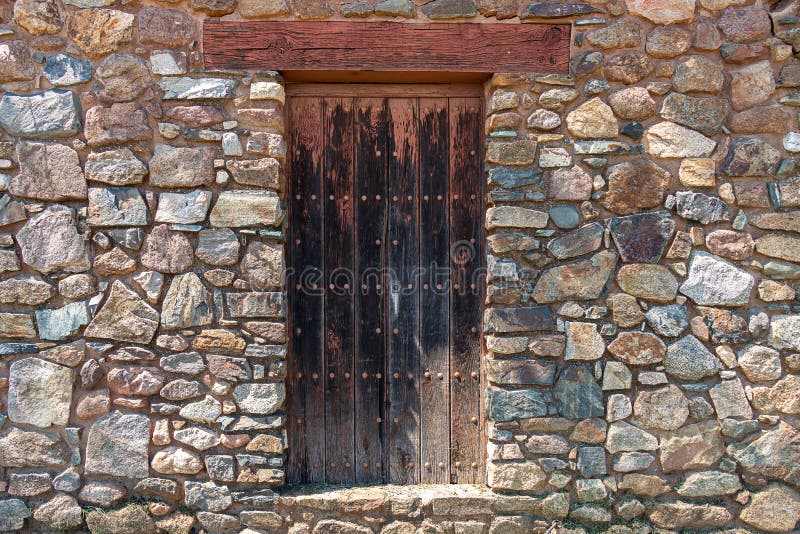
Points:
point(403, 301)
point(385, 222)
point(339, 302)
point(370, 223)
point(434, 303)
point(386, 46)
point(465, 300)
point(306, 406)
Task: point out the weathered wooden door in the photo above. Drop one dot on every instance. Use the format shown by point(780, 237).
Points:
point(385, 233)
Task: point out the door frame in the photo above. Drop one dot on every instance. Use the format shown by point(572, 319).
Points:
point(410, 90)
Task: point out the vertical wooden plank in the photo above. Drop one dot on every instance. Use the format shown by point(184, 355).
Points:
point(306, 457)
point(403, 298)
point(370, 189)
point(434, 300)
point(339, 326)
point(465, 303)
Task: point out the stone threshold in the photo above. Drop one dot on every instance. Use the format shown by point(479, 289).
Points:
point(415, 503)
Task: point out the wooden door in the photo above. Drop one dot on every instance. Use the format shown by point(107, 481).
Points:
point(385, 236)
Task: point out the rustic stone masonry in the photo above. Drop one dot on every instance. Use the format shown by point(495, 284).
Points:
point(642, 334)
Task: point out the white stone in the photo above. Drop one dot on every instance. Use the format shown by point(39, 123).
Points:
point(39, 392)
point(791, 143)
point(168, 62)
point(267, 91)
point(713, 281)
point(670, 140)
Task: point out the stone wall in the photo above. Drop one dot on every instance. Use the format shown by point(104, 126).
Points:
point(643, 252)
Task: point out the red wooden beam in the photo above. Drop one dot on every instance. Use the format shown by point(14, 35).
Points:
point(386, 46)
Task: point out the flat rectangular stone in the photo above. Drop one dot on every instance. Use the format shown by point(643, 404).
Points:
point(256, 304)
point(518, 319)
point(9, 349)
point(185, 88)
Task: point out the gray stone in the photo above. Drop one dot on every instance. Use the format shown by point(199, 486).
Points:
point(395, 8)
point(13, 514)
point(68, 480)
point(50, 242)
point(124, 317)
point(115, 167)
point(206, 496)
point(689, 359)
point(517, 319)
point(510, 404)
point(784, 332)
point(582, 241)
point(60, 323)
point(187, 303)
point(591, 461)
point(705, 209)
point(117, 445)
point(190, 363)
point(668, 321)
point(49, 114)
point(199, 438)
point(116, 206)
point(181, 167)
point(512, 177)
point(564, 217)
point(185, 88)
point(63, 70)
point(704, 114)
point(217, 247)
point(515, 217)
point(183, 208)
point(583, 280)
point(729, 400)
point(203, 411)
point(221, 467)
point(628, 462)
point(450, 9)
point(168, 62)
point(713, 281)
point(103, 493)
point(259, 398)
point(577, 394)
point(48, 171)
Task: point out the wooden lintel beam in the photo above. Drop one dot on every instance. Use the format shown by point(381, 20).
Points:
point(386, 46)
